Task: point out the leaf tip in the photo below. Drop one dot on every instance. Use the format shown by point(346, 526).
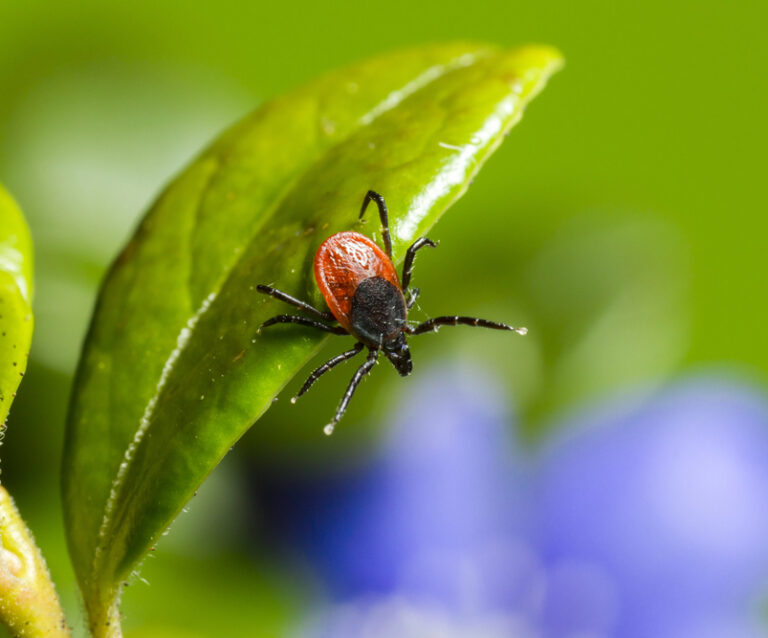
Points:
point(548, 58)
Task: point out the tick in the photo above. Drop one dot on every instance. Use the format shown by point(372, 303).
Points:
point(367, 301)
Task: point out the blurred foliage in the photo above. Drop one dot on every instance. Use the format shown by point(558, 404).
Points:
point(656, 125)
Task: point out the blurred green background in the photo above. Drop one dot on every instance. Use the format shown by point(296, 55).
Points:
point(623, 222)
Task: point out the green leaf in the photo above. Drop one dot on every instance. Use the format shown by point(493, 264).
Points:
point(28, 602)
point(172, 373)
point(16, 321)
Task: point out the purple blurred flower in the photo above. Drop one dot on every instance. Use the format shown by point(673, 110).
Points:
point(668, 500)
point(642, 519)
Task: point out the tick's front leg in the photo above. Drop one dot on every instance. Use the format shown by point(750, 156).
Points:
point(303, 305)
point(303, 321)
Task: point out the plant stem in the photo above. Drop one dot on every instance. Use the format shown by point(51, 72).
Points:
point(105, 622)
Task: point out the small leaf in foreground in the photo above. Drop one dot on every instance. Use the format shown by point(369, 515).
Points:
point(28, 602)
point(16, 321)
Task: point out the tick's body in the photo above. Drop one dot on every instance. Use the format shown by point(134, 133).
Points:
point(361, 288)
point(359, 283)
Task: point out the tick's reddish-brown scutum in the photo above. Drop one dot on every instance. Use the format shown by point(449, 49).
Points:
point(341, 263)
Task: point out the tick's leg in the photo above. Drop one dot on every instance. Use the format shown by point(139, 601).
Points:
point(361, 372)
point(331, 363)
point(411, 296)
point(433, 325)
point(373, 195)
point(282, 296)
point(303, 321)
point(408, 264)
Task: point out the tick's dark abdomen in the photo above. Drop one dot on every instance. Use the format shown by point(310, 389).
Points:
point(378, 311)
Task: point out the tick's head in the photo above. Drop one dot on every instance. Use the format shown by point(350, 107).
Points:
point(398, 353)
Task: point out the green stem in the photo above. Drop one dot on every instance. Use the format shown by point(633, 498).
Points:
point(28, 603)
point(105, 621)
